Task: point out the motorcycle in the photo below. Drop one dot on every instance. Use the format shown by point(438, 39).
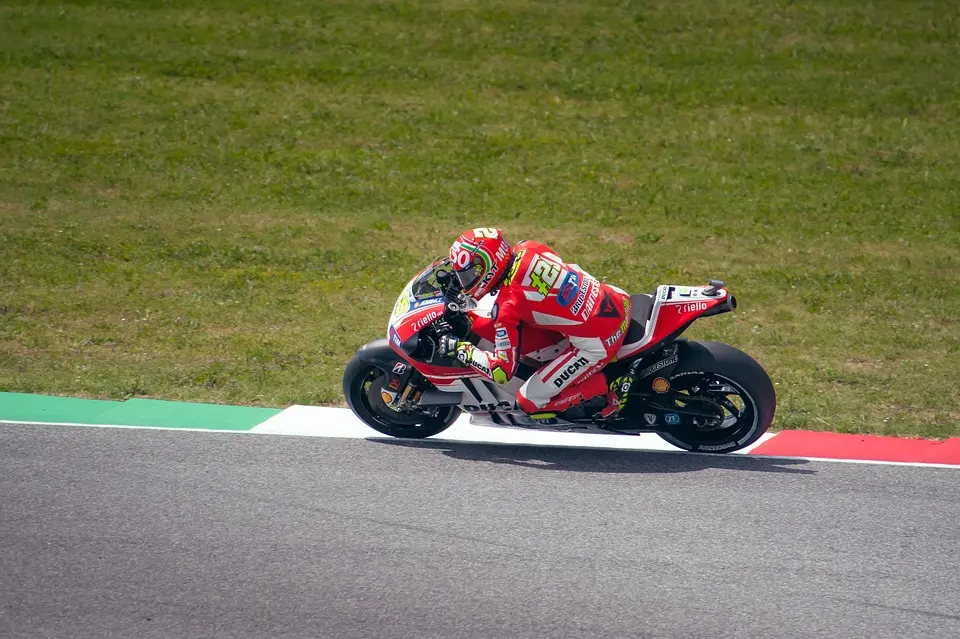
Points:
point(698, 396)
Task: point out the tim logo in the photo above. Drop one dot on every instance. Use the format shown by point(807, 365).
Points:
point(568, 290)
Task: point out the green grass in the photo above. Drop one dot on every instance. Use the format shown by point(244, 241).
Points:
point(219, 201)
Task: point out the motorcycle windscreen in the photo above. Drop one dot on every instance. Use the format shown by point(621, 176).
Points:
point(420, 302)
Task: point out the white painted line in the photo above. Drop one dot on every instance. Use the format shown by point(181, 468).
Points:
point(746, 450)
point(861, 461)
point(13, 422)
point(321, 421)
point(316, 421)
point(57, 423)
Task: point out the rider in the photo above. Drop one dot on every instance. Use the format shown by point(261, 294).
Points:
point(535, 287)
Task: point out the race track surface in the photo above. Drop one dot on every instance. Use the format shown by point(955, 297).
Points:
point(136, 533)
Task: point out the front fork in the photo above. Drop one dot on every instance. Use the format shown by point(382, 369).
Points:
point(402, 390)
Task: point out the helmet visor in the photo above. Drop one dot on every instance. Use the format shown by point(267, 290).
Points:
point(469, 276)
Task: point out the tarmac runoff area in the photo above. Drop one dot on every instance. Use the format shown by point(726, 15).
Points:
point(158, 530)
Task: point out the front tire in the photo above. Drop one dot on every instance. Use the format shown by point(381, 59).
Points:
point(732, 378)
point(362, 384)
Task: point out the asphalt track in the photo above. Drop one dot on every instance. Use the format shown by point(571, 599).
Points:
point(138, 533)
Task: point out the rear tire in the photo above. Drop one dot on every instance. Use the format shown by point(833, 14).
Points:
point(721, 368)
point(362, 383)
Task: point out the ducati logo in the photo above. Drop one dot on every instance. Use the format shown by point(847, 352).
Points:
point(499, 406)
point(570, 370)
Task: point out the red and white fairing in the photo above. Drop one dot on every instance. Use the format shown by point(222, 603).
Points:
point(674, 308)
point(422, 303)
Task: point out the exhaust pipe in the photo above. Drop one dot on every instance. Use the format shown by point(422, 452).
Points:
point(727, 306)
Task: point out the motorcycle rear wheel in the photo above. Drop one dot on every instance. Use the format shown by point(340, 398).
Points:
point(735, 380)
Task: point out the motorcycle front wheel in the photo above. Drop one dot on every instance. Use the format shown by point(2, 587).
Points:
point(362, 386)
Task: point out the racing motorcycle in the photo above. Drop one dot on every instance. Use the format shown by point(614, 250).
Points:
point(698, 396)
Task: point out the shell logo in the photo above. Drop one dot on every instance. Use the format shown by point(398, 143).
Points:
point(661, 385)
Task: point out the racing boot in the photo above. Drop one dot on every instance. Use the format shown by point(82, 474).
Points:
point(618, 393)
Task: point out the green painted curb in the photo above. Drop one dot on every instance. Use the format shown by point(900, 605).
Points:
point(155, 413)
point(22, 407)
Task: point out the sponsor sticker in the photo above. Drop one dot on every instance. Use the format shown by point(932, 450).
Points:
point(585, 286)
point(671, 419)
point(499, 406)
point(650, 418)
point(402, 306)
point(608, 308)
point(561, 404)
point(571, 369)
point(610, 341)
point(715, 447)
point(568, 289)
point(481, 367)
point(399, 368)
point(503, 340)
point(591, 300)
point(692, 307)
point(427, 302)
point(426, 320)
point(660, 385)
point(487, 278)
point(658, 366)
point(517, 258)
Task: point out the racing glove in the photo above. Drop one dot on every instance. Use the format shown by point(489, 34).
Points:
point(450, 346)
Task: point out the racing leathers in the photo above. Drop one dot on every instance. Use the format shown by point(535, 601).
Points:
point(541, 290)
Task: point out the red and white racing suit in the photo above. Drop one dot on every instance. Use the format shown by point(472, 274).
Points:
point(541, 290)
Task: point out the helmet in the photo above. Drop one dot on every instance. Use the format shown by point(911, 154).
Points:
point(480, 258)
